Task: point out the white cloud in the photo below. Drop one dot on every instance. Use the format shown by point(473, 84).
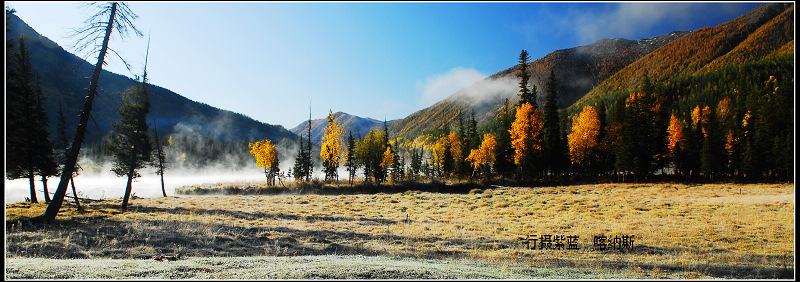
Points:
point(491, 90)
point(628, 20)
point(437, 88)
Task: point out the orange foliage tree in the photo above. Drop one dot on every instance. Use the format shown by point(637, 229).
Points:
point(674, 134)
point(456, 149)
point(526, 136)
point(484, 155)
point(582, 139)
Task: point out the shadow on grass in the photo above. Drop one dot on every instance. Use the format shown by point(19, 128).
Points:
point(142, 238)
point(319, 188)
point(88, 237)
point(262, 215)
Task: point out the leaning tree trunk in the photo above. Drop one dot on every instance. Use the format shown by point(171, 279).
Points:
point(75, 195)
point(69, 166)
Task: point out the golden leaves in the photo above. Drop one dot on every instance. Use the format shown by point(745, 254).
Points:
point(332, 143)
point(388, 160)
point(582, 139)
point(264, 152)
point(484, 155)
point(525, 132)
point(674, 133)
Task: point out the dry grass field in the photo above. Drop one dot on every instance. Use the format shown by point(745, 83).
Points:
point(679, 231)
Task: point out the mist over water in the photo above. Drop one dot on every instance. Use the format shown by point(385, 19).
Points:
point(108, 186)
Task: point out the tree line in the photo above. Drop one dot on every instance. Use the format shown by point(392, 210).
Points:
point(733, 124)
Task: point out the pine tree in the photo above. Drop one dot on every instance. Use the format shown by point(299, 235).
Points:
point(351, 162)
point(504, 164)
point(474, 140)
point(552, 149)
point(416, 163)
point(603, 157)
point(298, 171)
point(308, 163)
point(131, 144)
point(27, 139)
point(159, 157)
point(304, 165)
point(64, 142)
point(525, 95)
point(45, 156)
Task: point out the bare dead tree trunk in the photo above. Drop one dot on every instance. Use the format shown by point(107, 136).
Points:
point(55, 205)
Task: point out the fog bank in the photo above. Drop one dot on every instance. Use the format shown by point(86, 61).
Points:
point(107, 186)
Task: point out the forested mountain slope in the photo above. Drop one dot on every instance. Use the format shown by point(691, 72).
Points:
point(64, 78)
point(747, 38)
point(577, 70)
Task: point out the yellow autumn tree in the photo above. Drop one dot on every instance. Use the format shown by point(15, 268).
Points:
point(456, 151)
point(582, 139)
point(266, 157)
point(700, 117)
point(388, 159)
point(441, 153)
point(484, 155)
point(332, 148)
point(674, 134)
point(525, 132)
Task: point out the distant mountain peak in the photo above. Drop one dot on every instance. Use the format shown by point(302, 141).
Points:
point(359, 126)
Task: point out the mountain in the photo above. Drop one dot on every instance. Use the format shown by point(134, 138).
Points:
point(357, 125)
point(613, 66)
point(753, 36)
point(577, 71)
point(64, 78)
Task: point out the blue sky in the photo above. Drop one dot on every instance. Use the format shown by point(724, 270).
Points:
point(380, 60)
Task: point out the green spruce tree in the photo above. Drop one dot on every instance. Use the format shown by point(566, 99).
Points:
point(131, 144)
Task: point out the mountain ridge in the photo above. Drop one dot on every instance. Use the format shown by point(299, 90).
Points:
point(579, 69)
point(691, 53)
point(173, 113)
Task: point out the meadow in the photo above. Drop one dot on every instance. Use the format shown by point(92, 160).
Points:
point(685, 231)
